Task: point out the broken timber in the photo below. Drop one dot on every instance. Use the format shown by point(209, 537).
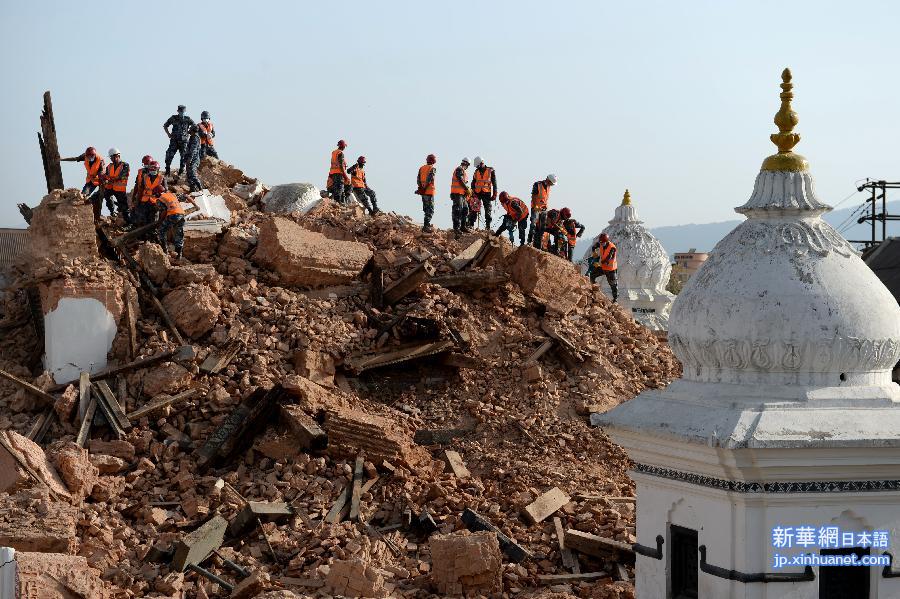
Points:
point(84, 430)
point(589, 544)
point(456, 464)
point(196, 546)
point(565, 343)
point(540, 351)
point(407, 283)
point(489, 251)
point(160, 402)
point(304, 428)
point(544, 506)
point(568, 558)
point(107, 412)
point(46, 397)
point(359, 363)
point(334, 514)
point(215, 362)
point(184, 352)
point(356, 492)
point(41, 425)
point(135, 234)
point(50, 147)
point(240, 427)
point(466, 256)
point(476, 523)
point(112, 405)
point(470, 281)
point(256, 512)
point(575, 577)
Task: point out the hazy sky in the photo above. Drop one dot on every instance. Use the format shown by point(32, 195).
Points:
point(673, 100)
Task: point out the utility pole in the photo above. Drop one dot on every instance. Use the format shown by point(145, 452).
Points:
point(873, 216)
point(49, 147)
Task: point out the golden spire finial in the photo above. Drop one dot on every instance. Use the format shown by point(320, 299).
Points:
point(626, 199)
point(786, 119)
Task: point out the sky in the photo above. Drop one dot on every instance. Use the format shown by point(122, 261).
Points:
point(673, 100)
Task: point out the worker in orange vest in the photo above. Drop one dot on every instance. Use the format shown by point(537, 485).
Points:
point(459, 195)
point(145, 208)
point(603, 260)
point(516, 216)
point(207, 135)
point(338, 180)
point(171, 215)
point(137, 191)
point(93, 167)
point(361, 190)
point(573, 230)
point(540, 197)
point(115, 182)
point(425, 188)
point(484, 192)
point(548, 222)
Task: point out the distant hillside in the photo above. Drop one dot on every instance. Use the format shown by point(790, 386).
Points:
point(703, 237)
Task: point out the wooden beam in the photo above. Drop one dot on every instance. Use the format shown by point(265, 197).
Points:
point(476, 522)
point(407, 283)
point(160, 402)
point(489, 252)
point(256, 512)
point(597, 546)
point(169, 322)
point(356, 492)
point(84, 393)
point(48, 400)
point(215, 362)
point(456, 464)
point(334, 514)
point(84, 431)
point(483, 279)
point(134, 234)
point(564, 578)
point(463, 259)
point(50, 147)
point(196, 546)
point(376, 287)
point(359, 363)
point(568, 558)
point(113, 405)
point(107, 413)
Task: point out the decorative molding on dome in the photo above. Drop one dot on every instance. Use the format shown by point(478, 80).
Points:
point(783, 190)
point(799, 237)
point(836, 355)
point(740, 486)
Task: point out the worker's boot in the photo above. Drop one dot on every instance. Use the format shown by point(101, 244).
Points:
point(165, 247)
point(180, 252)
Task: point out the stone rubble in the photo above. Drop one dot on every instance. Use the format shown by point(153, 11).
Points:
point(293, 291)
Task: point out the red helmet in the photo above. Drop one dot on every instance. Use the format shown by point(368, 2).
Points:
point(565, 213)
point(146, 160)
point(430, 159)
point(153, 166)
point(342, 144)
point(361, 160)
point(604, 237)
point(91, 151)
point(504, 196)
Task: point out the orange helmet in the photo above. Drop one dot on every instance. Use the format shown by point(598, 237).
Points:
point(604, 237)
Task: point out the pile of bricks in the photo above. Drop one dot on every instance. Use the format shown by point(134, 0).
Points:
point(465, 564)
point(355, 578)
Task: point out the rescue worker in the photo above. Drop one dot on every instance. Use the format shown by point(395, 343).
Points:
point(337, 173)
point(548, 222)
point(459, 194)
point(207, 135)
point(115, 182)
point(171, 216)
point(516, 216)
point(473, 206)
point(484, 188)
point(603, 260)
point(137, 191)
point(93, 167)
point(425, 188)
point(540, 195)
point(361, 189)
point(145, 208)
point(178, 138)
point(573, 230)
point(192, 156)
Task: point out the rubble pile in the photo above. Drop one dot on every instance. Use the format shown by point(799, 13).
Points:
point(354, 398)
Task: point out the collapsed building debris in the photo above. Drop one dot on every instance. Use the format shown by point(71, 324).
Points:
point(377, 430)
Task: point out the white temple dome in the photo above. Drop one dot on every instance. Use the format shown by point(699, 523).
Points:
point(784, 299)
point(643, 267)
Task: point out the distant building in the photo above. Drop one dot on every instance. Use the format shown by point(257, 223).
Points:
point(686, 264)
point(13, 243)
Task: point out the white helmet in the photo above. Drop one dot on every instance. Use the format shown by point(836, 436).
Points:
point(113, 151)
point(478, 161)
point(465, 160)
point(552, 178)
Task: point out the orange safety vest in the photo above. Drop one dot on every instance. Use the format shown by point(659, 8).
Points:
point(113, 181)
point(481, 180)
point(424, 171)
point(147, 185)
point(336, 168)
point(605, 264)
point(93, 170)
point(571, 232)
point(456, 186)
point(358, 178)
point(170, 200)
point(208, 130)
point(539, 199)
point(516, 209)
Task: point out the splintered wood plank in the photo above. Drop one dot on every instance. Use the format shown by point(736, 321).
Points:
point(357, 487)
point(160, 402)
point(114, 407)
point(544, 506)
point(195, 546)
point(84, 393)
point(107, 414)
point(334, 514)
point(568, 559)
point(589, 544)
point(467, 255)
point(85, 430)
point(456, 464)
point(407, 283)
point(46, 397)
